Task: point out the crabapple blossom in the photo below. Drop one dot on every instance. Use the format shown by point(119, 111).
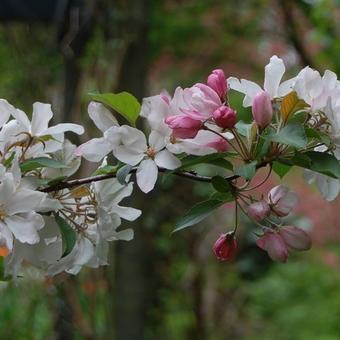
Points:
point(274, 244)
point(183, 126)
point(295, 238)
point(282, 200)
point(258, 210)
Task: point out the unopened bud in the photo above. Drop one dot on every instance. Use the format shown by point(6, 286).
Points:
point(218, 82)
point(225, 247)
point(262, 109)
point(225, 117)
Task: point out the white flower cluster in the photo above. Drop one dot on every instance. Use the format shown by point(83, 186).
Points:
point(65, 229)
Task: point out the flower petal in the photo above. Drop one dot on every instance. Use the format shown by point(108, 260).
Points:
point(25, 228)
point(273, 74)
point(147, 173)
point(165, 159)
point(101, 116)
point(41, 116)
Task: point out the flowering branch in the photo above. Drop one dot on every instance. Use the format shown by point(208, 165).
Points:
point(57, 224)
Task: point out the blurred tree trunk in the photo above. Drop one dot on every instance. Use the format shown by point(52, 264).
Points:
point(129, 283)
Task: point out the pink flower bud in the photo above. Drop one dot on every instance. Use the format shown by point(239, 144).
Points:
point(274, 245)
point(225, 247)
point(259, 210)
point(218, 82)
point(183, 126)
point(225, 117)
point(282, 200)
point(295, 238)
point(262, 109)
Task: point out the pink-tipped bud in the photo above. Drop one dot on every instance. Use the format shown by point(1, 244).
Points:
point(183, 126)
point(295, 238)
point(262, 109)
point(218, 82)
point(258, 210)
point(225, 247)
point(225, 117)
point(282, 200)
point(273, 243)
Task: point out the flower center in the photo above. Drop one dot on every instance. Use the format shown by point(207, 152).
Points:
point(2, 213)
point(151, 152)
point(173, 140)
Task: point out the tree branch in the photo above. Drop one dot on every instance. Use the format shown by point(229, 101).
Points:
point(186, 174)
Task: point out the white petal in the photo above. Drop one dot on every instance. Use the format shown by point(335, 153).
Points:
point(94, 150)
point(101, 116)
point(125, 235)
point(22, 118)
point(133, 138)
point(147, 173)
point(25, 228)
point(249, 88)
point(128, 155)
point(61, 128)
point(286, 87)
point(24, 200)
point(42, 114)
point(273, 74)
point(6, 110)
point(6, 237)
point(156, 140)
point(127, 213)
point(165, 159)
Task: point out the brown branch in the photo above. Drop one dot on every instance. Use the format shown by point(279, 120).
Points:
point(186, 174)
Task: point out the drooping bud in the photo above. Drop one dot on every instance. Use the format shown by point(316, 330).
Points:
point(225, 247)
point(258, 210)
point(225, 117)
point(282, 200)
point(273, 243)
point(295, 238)
point(217, 81)
point(183, 126)
point(262, 109)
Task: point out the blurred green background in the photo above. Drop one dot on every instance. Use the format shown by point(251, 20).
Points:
point(160, 286)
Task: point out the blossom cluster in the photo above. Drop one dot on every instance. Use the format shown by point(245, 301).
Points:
point(58, 224)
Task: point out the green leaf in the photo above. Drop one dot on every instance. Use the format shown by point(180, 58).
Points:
point(222, 196)
point(243, 128)
point(122, 173)
point(41, 162)
point(292, 134)
point(104, 170)
point(217, 159)
point(280, 169)
point(247, 171)
point(220, 184)
point(67, 233)
point(124, 103)
point(324, 163)
point(197, 213)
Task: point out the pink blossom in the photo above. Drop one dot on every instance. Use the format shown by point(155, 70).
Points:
point(295, 238)
point(225, 247)
point(259, 210)
point(282, 200)
point(201, 101)
point(183, 126)
point(217, 81)
point(225, 117)
point(262, 109)
point(274, 244)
